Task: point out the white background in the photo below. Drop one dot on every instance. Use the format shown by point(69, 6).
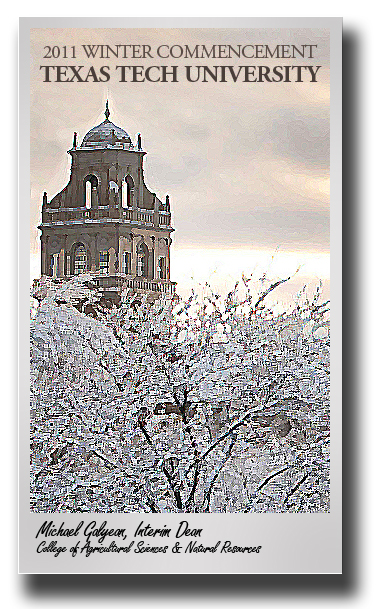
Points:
point(361, 25)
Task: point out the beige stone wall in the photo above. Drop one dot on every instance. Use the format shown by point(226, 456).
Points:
point(106, 165)
point(104, 224)
point(64, 240)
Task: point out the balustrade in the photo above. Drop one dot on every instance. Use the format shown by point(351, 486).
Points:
point(136, 283)
point(81, 214)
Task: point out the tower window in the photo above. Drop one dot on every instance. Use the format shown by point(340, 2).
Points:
point(113, 193)
point(127, 263)
point(142, 260)
point(88, 195)
point(80, 262)
point(90, 187)
point(127, 192)
point(104, 262)
point(161, 267)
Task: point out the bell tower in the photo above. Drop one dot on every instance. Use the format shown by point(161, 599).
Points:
point(105, 220)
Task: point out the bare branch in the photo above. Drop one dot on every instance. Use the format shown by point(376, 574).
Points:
point(143, 429)
point(112, 465)
point(225, 435)
point(207, 497)
point(270, 289)
point(295, 488)
point(170, 480)
point(152, 505)
point(267, 480)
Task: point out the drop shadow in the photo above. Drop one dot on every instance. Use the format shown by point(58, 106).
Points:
point(346, 584)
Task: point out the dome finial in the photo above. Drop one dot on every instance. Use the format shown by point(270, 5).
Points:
point(107, 113)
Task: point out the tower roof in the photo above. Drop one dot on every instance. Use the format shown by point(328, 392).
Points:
point(106, 134)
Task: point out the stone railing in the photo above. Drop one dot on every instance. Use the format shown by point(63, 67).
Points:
point(164, 218)
point(145, 217)
point(151, 285)
point(118, 282)
point(80, 215)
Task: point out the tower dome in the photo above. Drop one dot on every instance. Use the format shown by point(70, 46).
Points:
point(106, 134)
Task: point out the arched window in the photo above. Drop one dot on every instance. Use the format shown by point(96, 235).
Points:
point(161, 267)
point(127, 193)
point(80, 260)
point(113, 192)
point(104, 262)
point(126, 263)
point(88, 195)
point(90, 187)
point(142, 260)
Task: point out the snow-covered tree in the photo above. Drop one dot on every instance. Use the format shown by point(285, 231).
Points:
point(204, 405)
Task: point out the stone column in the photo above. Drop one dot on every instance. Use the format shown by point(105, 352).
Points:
point(156, 210)
point(94, 254)
point(117, 263)
point(169, 241)
point(95, 261)
point(104, 200)
point(46, 257)
point(43, 248)
point(94, 198)
point(112, 260)
point(78, 195)
point(55, 268)
point(64, 257)
point(61, 263)
point(133, 263)
point(109, 200)
point(151, 261)
point(140, 186)
point(153, 272)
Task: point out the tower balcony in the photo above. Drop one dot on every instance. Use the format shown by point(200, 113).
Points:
point(66, 216)
point(117, 283)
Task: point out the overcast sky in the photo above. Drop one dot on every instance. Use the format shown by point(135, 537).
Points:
point(246, 164)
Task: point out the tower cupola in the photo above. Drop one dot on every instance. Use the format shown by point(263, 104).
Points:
point(106, 221)
point(107, 134)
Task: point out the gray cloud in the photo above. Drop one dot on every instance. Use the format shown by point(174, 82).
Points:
point(273, 227)
point(220, 150)
point(177, 172)
point(299, 135)
point(193, 132)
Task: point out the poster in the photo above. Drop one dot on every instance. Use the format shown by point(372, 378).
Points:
point(180, 189)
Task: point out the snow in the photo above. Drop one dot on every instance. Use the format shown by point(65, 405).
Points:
point(244, 418)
